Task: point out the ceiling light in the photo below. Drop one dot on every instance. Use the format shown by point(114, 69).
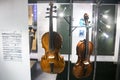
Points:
point(105, 16)
point(61, 15)
point(104, 34)
point(108, 26)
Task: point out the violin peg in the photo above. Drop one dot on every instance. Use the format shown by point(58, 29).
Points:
point(55, 11)
point(48, 9)
point(54, 7)
point(47, 12)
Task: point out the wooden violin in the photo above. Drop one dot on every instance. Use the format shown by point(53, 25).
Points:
point(33, 39)
point(52, 62)
point(83, 66)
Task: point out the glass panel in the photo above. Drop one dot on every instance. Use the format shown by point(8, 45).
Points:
point(106, 29)
point(63, 26)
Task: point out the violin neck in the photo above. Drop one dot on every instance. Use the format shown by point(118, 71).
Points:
point(51, 44)
point(87, 42)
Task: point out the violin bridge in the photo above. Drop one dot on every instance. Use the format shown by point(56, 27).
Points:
point(86, 62)
point(51, 57)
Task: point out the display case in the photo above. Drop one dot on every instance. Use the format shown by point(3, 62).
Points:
point(90, 45)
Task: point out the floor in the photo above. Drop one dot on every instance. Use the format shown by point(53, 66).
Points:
point(37, 74)
point(104, 71)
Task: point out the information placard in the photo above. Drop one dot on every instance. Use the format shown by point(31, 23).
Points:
point(11, 46)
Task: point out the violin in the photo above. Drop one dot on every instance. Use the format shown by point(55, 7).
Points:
point(52, 62)
point(33, 40)
point(84, 48)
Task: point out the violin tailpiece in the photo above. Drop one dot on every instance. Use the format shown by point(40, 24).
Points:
point(51, 67)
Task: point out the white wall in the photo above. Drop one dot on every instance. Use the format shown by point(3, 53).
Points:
point(14, 18)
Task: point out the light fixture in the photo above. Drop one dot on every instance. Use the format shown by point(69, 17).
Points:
point(61, 14)
point(105, 16)
point(107, 11)
point(32, 15)
point(104, 34)
point(108, 26)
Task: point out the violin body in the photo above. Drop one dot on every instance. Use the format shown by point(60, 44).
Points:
point(83, 66)
point(52, 62)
